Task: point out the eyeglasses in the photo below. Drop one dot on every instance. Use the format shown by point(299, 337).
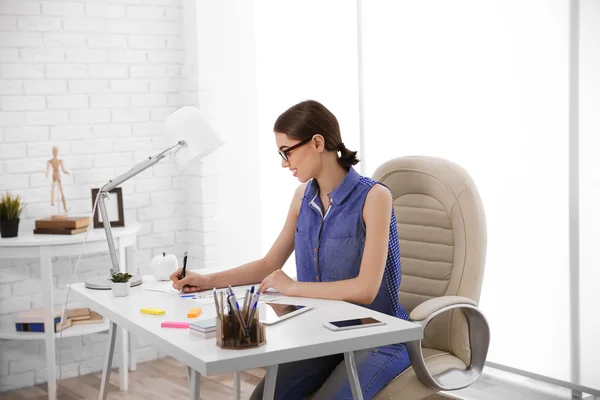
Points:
point(284, 153)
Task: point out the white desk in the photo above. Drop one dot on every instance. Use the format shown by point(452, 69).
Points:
point(45, 247)
point(298, 338)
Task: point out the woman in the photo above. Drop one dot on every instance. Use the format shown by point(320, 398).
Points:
point(342, 228)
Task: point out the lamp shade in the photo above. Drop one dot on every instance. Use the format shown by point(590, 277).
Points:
point(188, 124)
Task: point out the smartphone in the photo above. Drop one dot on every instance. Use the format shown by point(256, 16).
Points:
point(352, 324)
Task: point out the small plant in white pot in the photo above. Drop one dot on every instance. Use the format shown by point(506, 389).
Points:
point(120, 284)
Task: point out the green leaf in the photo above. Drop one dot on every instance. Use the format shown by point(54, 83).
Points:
point(121, 277)
point(10, 206)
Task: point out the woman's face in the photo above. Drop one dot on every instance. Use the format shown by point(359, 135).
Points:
point(303, 161)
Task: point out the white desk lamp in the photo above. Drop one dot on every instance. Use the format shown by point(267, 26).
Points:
point(195, 138)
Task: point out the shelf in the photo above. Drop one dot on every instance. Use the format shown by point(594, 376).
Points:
point(27, 238)
point(75, 330)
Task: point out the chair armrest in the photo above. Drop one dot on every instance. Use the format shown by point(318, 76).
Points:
point(479, 336)
point(425, 309)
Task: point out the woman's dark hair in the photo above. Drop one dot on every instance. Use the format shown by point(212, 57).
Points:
point(309, 118)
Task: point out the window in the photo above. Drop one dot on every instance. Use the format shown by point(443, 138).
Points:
point(485, 84)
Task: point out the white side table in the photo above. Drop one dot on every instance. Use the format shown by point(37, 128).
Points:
point(45, 247)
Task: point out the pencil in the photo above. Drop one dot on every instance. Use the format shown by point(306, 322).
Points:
point(245, 308)
point(216, 301)
point(222, 305)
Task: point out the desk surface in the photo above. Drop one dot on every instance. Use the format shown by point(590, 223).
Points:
point(297, 338)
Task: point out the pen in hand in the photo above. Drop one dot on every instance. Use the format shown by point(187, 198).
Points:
point(183, 269)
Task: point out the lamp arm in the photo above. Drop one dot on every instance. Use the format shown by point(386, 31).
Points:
point(113, 183)
point(109, 237)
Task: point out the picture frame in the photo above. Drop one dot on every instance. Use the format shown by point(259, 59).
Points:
point(114, 208)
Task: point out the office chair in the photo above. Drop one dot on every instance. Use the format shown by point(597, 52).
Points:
point(442, 234)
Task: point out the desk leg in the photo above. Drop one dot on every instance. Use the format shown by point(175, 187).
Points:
point(123, 370)
point(48, 298)
point(353, 376)
point(194, 380)
point(237, 390)
point(130, 267)
point(110, 348)
point(270, 381)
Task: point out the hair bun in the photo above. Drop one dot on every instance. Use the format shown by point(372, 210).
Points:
point(347, 157)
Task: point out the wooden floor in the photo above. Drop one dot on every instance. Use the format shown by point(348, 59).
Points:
point(161, 379)
point(166, 378)
point(495, 384)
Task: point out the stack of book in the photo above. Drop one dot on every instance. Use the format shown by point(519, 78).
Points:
point(61, 226)
point(205, 329)
point(83, 316)
point(33, 320)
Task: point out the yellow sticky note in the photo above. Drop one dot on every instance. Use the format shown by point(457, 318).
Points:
point(153, 311)
point(194, 312)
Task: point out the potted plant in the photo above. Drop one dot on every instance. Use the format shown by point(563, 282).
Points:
point(120, 284)
point(10, 210)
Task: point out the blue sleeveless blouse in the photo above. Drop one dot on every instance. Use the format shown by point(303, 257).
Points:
point(330, 247)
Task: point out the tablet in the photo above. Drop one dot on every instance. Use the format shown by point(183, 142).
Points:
point(272, 313)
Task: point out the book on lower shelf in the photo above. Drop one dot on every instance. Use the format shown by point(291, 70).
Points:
point(93, 318)
point(33, 320)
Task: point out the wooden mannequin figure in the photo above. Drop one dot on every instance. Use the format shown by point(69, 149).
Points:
point(56, 165)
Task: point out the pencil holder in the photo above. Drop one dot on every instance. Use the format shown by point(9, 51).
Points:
point(231, 335)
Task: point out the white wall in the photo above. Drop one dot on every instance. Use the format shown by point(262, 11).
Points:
point(293, 64)
point(96, 79)
point(228, 208)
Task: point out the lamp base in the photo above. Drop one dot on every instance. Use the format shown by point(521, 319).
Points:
point(103, 283)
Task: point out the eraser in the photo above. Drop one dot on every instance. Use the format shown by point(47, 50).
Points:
point(194, 312)
point(171, 324)
point(153, 311)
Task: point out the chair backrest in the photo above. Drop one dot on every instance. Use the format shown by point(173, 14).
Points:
point(442, 234)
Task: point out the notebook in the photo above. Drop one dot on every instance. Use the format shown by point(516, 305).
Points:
point(205, 325)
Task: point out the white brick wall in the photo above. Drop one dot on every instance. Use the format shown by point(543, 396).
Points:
point(95, 78)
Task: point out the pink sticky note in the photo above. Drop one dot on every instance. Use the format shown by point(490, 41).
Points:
point(170, 324)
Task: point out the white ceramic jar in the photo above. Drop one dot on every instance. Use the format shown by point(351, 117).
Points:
point(163, 266)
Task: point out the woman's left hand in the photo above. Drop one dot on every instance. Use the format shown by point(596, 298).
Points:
point(279, 281)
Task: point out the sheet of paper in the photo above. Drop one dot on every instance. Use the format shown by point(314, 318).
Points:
point(206, 297)
point(162, 286)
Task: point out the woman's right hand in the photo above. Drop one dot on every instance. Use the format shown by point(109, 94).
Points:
point(192, 282)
